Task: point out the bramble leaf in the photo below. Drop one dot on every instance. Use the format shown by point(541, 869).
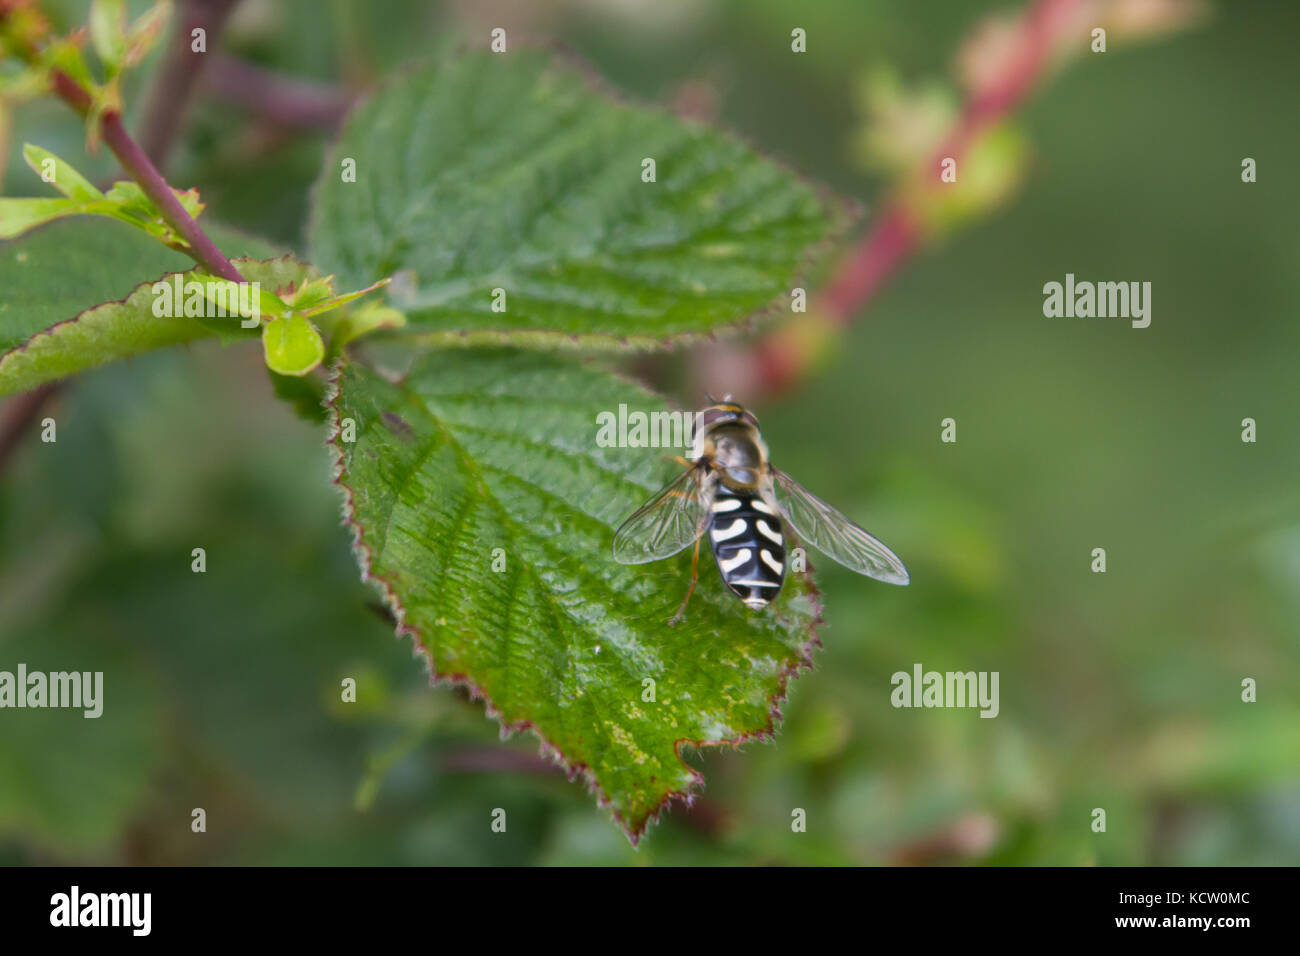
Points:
point(64, 178)
point(53, 273)
point(52, 326)
point(362, 320)
point(21, 215)
point(117, 330)
point(124, 201)
point(292, 345)
point(332, 302)
point(131, 198)
point(511, 173)
point(143, 33)
point(485, 509)
point(108, 33)
point(259, 303)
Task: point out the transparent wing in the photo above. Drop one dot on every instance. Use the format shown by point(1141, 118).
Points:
point(668, 522)
point(831, 532)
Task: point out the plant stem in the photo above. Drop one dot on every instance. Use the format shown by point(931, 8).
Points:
point(274, 98)
point(180, 73)
point(143, 171)
point(787, 354)
point(140, 168)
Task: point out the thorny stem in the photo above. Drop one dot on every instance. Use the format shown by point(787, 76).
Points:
point(781, 358)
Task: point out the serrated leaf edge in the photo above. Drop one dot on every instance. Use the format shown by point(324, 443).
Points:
point(89, 315)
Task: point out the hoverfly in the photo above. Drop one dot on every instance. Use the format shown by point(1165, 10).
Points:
point(732, 491)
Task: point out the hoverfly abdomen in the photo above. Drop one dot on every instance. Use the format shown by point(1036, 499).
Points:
point(749, 546)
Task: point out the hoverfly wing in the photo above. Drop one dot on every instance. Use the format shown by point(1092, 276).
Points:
point(831, 532)
point(668, 523)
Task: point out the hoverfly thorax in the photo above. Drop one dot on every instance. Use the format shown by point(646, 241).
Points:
point(728, 437)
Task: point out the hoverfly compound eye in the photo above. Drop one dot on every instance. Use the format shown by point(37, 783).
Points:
point(714, 415)
point(748, 418)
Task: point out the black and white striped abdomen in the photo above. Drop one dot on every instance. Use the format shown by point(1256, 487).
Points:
point(748, 545)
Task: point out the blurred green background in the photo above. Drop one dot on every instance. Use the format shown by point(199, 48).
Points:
point(1118, 690)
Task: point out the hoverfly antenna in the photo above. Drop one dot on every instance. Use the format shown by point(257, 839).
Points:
point(712, 400)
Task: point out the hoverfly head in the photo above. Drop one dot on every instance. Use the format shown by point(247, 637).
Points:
point(724, 412)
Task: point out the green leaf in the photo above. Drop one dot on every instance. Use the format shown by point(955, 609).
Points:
point(64, 54)
point(292, 346)
point(510, 172)
point(117, 330)
point(364, 320)
point(314, 291)
point(66, 179)
point(128, 202)
point(483, 450)
point(132, 198)
point(338, 301)
point(64, 268)
point(108, 33)
point(19, 215)
point(144, 32)
point(225, 293)
point(125, 201)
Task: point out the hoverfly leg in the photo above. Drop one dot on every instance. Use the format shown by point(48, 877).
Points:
point(695, 576)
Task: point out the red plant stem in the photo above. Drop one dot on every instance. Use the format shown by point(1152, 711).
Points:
point(138, 165)
point(897, 234)
point(778, 358)
point(1040, 27)
point(865, 271)
point(140, 168)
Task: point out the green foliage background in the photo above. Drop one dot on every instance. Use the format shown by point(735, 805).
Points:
point(1118, 691)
